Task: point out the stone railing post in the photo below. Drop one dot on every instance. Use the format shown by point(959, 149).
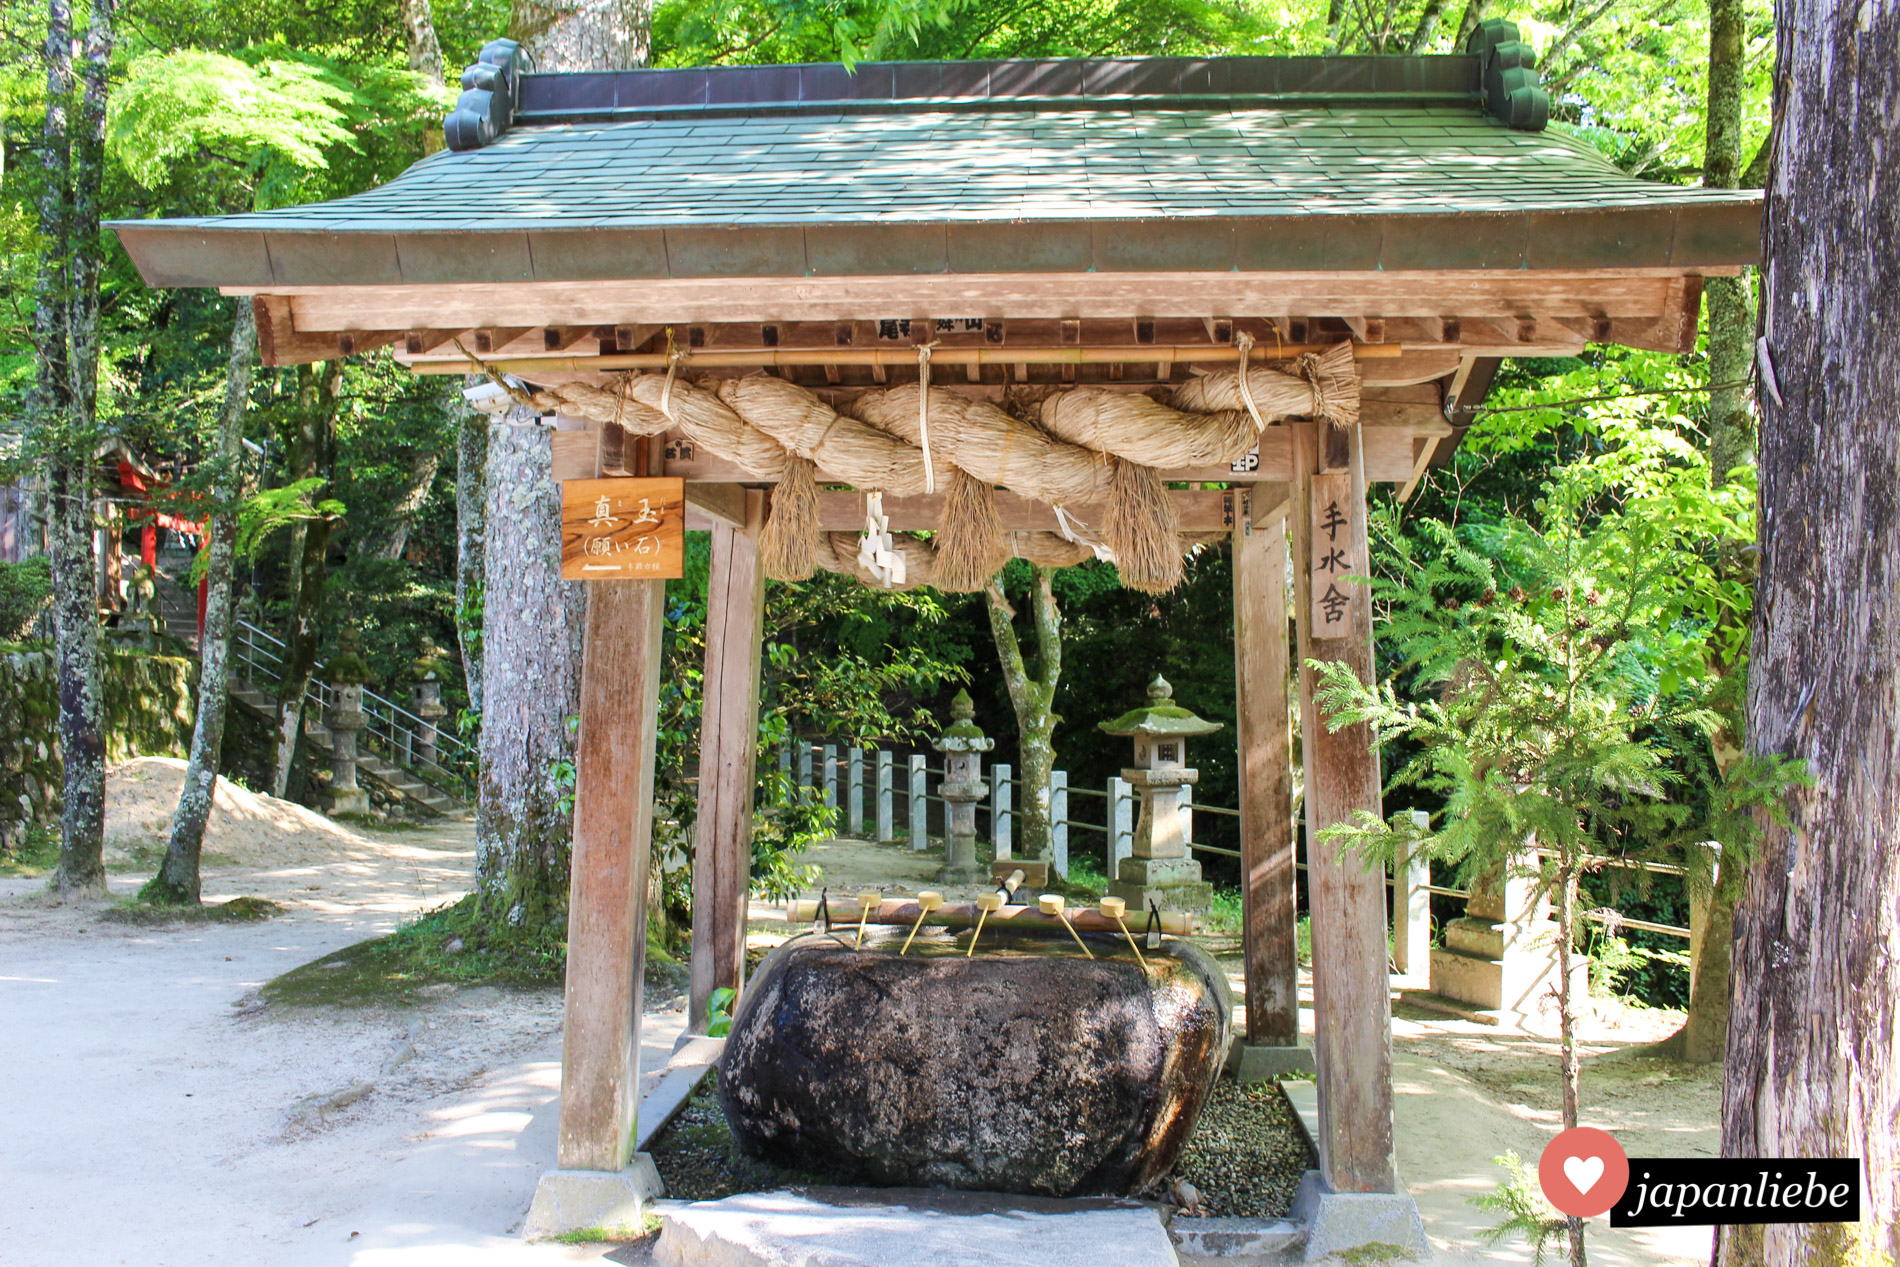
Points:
point(1059, 821)
point(804, 769)
point(919, 825)
point(962, 746)
point(830, 757)
point(1000, 814)
point(426, 703)
point(1412, 910)
point(854, 790)
point(1121, 823)
point(886, 830)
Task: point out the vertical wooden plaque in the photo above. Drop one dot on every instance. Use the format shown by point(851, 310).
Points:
point(1337, 533)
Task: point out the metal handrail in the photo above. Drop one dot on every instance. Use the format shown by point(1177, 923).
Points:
point(262, 655)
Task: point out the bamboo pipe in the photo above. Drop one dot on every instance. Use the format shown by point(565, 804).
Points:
point(903, 912)
point(742, 358)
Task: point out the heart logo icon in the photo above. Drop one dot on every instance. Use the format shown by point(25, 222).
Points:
point(1583, 1172)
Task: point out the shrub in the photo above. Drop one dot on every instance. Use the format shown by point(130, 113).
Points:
point(26, 589)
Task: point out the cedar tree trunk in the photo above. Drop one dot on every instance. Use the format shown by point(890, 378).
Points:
point(1813, 1065)
point(313, 446)
point(177, 881)
point(471, 459)
point(531, 658)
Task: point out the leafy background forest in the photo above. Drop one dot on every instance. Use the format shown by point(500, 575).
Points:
point(219, 107)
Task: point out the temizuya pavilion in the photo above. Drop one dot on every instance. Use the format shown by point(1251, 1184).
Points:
point(1371, 234)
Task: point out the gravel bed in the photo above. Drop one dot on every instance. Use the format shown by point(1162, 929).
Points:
point(1246, 1156)
point(1247, 1153)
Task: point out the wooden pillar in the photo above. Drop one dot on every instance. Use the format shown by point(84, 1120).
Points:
point(728, 744)
point(1268, 882)
point(607, 910)
point(1352, 1008)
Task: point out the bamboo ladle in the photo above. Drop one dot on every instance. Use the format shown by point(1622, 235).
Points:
point(1052, 904)
point(927, 902)
point(1114, 908)
point(985, 903)
point(868, 901)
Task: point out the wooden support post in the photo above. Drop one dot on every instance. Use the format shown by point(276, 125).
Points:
point(1121, 824)
point(854, 790)
point(1352, 1008)
point(607, 905)
point(1059, 821)
point(1269, 917)
point(886, 829)
point(919, 818)
point(1000, 816)
point(728, 745)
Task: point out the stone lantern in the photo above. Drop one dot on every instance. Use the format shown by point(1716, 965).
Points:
point(345, 719)
point(425, 700)
point(1159, 870)
point(962, 746)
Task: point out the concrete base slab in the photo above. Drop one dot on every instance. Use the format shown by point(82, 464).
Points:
point(1249, 1063)
point(899, 1227)
point(1359, 1226)
point(1236, 1238)
point(579, 1200)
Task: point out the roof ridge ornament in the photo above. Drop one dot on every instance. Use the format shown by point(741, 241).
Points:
point(1514, 92)
point(490, 93)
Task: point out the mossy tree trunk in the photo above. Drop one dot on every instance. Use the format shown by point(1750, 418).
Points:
point(311, 446)
point(1032, 693)
point(1812, 1068)
point(532, 623)
point(177, 882)
point(65, 327)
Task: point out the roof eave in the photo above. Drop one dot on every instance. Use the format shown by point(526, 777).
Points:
point(1689, 237)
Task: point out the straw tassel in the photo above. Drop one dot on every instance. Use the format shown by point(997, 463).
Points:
point(789, 543)
point(970, 547)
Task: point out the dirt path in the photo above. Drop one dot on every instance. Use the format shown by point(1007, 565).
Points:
point(150, 1121)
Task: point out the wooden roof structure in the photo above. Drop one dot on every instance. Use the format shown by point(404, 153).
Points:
point(1040, 226)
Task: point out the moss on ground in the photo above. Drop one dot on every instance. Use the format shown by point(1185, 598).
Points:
point(36, 856)
point(452, 945)
point(239, 910)
point(698, 1159)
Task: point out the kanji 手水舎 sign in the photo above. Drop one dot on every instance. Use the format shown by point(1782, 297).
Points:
point(1336, 537)
point(623, 529)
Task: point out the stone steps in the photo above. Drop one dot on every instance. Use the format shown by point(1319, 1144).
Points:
point(385, 774)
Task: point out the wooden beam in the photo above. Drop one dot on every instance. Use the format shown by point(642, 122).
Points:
point(724, 503)
point(1351, 997)
point(1267, 877)
point(607, 907)
point(1422, 450)
point(728, 735)
point(1616, 293)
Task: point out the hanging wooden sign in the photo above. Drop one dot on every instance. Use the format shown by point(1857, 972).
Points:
point(1337, 536)
point(623, 529)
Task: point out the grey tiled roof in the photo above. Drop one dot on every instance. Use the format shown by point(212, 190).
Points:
point(958, 167)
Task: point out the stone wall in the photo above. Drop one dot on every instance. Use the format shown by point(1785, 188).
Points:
point(148, 701)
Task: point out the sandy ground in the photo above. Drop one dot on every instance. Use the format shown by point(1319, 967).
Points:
point(154, 1116)
point(244, 830)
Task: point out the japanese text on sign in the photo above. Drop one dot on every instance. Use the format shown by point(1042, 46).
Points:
point(623, 529)
point(1338, 528)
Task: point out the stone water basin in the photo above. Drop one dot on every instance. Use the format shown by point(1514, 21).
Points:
point(1027, 1068)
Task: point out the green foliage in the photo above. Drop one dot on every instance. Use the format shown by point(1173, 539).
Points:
point(1618, 968)
point(721, 1023)
point(26, 590)
point(1559, 672)
point(1520, 1199)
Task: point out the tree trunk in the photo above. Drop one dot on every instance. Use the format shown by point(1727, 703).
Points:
point(1813, 1070)
point(584, 34)
point(314, 449)
point(389, 538)
point(1731, 445)
point(471, 459)
point(177, 882)
point(425, 52)
point(1567, 1023)
point(1033, 698)
point(1427, 27)
point(532, 623)
point(1475, 11)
